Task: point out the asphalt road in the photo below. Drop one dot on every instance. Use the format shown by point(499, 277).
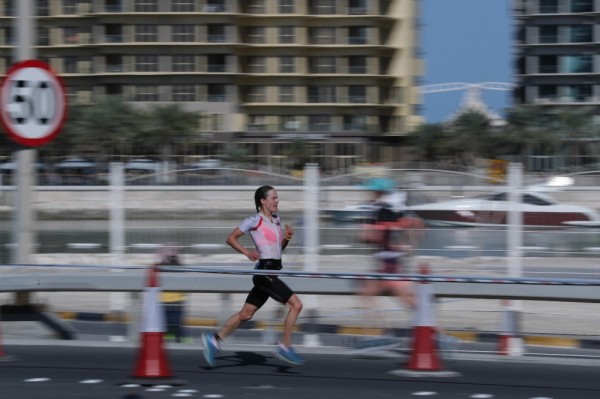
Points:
point(54, 370)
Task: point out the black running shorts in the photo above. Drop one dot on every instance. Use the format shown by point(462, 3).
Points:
point(266, 287)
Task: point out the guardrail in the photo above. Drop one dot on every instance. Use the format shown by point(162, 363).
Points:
point(193, 279)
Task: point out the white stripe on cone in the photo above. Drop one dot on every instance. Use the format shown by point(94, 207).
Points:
point(153, 317)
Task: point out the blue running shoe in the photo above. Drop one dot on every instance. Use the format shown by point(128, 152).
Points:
point(211, 348)
point(288, 354)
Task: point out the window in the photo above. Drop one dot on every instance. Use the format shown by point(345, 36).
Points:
point(146, 63)
point(357, 35)
point(322, 65)
point(578, 92)
point(582, 6)
point(357, 94)
point(70, 64)
point(43, 36)
point(217, 63)
point(256, 34)
point(256, 7)
point(257, 65)
point(70, 35)
point(577, 63)
point(289, 122)
point(217, 92)
point(184, 93)
point(183, 6)
point(355, 122)
point(318, 123)
point(146, 6)
point(42, 9)
point(114, 33)
point(69, 7)
point(323, 35)
point(581, 34)
point(321, 94)
point(146, 33)
point(257, 123)
point(183, 33)
point(357, 64)
point(549, 92)
point(257, 94)
point(114, 63)
point(286, 94)
point(286, 34)
point(286, 6)
point(287, 64)
point(217, 33)
point(548, 6)
point(183, 63)
point(215, 6)
point(323, 7)
point(548, 64)
point(357, 7)
point(146, 93)
point(549, 34)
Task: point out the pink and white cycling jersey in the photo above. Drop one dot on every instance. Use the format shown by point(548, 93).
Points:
point(267, 235)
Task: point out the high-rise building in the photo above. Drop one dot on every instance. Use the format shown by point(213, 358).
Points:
point(558, 52)
point(342, 75)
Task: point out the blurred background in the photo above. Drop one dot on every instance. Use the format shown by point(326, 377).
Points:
point(198, 102)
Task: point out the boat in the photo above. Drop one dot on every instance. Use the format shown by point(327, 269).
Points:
point(537, 209)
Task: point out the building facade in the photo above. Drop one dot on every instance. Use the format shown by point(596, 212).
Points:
point(340, 75)
point(558, 52)
point(557, 62)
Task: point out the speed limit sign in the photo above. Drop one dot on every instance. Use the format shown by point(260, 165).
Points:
point(32, 103)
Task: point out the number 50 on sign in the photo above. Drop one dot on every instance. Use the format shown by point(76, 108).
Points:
point(32, 103)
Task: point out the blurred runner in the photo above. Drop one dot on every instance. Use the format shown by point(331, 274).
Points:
point(394, 235)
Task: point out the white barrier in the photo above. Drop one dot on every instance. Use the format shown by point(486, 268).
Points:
point(203, 280)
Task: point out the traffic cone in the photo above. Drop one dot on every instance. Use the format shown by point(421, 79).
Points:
point(509, 344)
point(152, 366)
point(424, 354)
point(424, 359)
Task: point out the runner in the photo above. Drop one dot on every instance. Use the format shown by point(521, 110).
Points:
point(270, 239)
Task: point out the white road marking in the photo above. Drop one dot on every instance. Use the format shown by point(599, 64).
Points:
point(212, 395)
point(187, 390)
point(481, 396)
point(424, 393)
point(90, 381)
point(130, 386)
point(154, 390)
point(181, 394)
point(37, 380)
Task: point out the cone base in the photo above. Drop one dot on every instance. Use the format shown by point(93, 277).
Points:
point(424, 353)
point(424, 373)
point(152, 381)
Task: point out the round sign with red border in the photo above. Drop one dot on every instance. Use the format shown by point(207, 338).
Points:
point(33, 105)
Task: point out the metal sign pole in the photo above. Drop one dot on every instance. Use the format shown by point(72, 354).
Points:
point(24, 26)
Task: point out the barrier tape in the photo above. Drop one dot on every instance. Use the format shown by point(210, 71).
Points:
point(384, 276)
point(431, 278)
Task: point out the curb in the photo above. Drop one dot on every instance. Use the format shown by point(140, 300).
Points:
point(466, 336)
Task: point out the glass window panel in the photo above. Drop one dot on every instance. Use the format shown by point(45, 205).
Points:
point(146, 33)
point(183, 33)
point(146, 6)
point(183, 63)
point(184, 93)
point(146, 63)
point(287, 34)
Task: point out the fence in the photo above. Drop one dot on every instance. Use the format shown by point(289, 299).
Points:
point(75, 227)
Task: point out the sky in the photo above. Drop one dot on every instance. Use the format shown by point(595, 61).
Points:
point(465, 41)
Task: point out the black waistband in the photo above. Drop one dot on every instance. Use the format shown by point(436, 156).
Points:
point(269, 264)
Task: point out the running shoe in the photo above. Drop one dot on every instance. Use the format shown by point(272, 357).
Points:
point(288, 354)
point(211, 348)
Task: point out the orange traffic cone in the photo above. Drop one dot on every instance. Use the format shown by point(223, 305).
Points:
point(152, 366)
point(424, 359)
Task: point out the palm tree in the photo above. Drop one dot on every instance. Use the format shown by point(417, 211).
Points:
point(163, 126)
point(471, 131)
